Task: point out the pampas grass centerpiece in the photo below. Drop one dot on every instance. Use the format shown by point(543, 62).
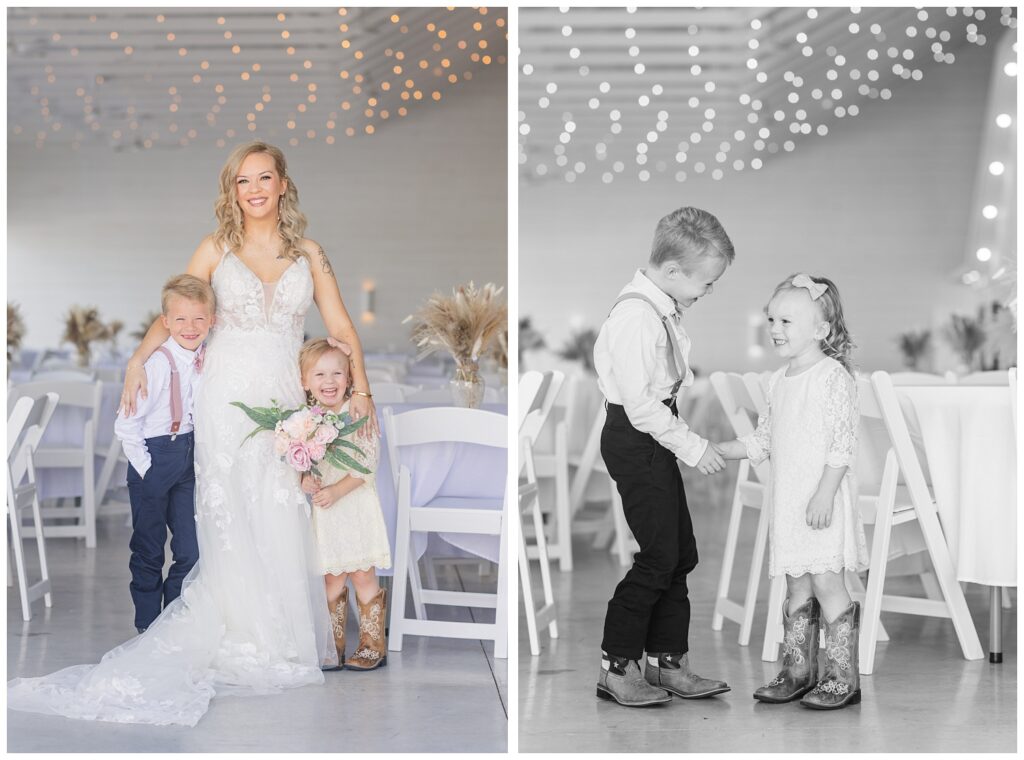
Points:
point(82, 328)
point(15, 332)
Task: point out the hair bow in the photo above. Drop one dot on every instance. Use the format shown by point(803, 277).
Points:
point(345, 348)
point(814, 288)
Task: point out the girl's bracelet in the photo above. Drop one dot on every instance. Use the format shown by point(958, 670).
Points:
point(362, 393)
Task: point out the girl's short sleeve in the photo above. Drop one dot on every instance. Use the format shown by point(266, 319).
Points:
point(841, 417)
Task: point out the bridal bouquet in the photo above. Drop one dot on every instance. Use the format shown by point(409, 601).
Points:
point(309, 435)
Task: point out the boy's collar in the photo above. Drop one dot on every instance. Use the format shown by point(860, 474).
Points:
point(666, 303)
point(179, 350)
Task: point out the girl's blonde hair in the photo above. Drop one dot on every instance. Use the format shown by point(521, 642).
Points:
point(291, 223)
point(311, 352)
point(838, 343)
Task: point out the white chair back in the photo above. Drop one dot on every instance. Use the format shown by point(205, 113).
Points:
point(392, 393)
point(1013, 395)
point(737, 394)
point(993, 377)
point(380, 375)
point(922, 378)
point(16, 416)
point(444, 395)
point(63, 375)
point(542, 405)
point(529, 386)
point(446, 425)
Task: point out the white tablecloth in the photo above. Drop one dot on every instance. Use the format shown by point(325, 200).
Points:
point(65, 430)
point(441, 470)
point(968, 438)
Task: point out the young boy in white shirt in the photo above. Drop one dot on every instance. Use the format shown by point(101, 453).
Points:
point(642, 361)
point(159, 443)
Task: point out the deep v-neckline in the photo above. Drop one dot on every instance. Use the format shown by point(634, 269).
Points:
point(260, 279)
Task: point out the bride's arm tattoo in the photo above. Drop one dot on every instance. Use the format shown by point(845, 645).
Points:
point(325, 262)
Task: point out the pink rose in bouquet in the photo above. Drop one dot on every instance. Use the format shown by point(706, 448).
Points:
point(316, 450)
point(325, 434)
point(298, 456)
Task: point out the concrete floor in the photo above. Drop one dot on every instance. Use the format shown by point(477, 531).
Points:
point(435, 695)
point(922, 697)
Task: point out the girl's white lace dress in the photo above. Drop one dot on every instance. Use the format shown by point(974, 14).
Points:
point(350, 534)
point(252, 615)
point(811, 423)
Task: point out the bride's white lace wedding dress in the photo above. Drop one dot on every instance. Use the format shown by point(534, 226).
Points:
point(252, 616)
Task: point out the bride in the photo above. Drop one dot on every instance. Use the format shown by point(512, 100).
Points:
point(252, 615)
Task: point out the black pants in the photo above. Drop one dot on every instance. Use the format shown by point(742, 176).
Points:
point(650, 610)
point(164, 499)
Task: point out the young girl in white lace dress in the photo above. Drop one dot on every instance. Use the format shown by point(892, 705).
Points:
point(809, 433)
point(351, 537)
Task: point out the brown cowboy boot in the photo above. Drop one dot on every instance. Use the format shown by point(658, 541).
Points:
point(671, 671)
point(800, 655)
point(339, 614)
point(840, 682)
point(619, 680)
point(372, 651)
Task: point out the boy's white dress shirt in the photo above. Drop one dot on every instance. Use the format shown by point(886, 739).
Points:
point(153, 414)
point(636, 367)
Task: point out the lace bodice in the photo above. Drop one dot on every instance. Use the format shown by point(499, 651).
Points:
point(245, 302)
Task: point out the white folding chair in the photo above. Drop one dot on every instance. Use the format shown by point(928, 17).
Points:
point(895, 504)
point(25, 427)
point(444, 395)
point(923, 378)
point(380, 375)
point(537, 394)
point(392, 393)
point(446, 425)
point(85, 396)
point(751, 485)
point(554, 465)
point(989, 377)
point(63, 375)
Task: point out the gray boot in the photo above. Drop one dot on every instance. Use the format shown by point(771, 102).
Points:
point(840, 682)
point(800, 655)
point(671, 671)
point(619, 680)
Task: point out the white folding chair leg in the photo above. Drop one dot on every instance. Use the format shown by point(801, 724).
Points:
point(109, 462)
point(754, 578)
point(932, 590)
point(859, 593)
point(606, 533)
point(545, 565)
point(732, 535)
point(400, 579)
point(773, 631)
point(526, 587)
point(563, 508)
point(501, 610)
point(44, 568)
point(870, 619)
point(591, 451)
point(1007, 601)
point(19, 562)
point(416, 585)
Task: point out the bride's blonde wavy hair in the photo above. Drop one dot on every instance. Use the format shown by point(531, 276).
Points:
point(291, 223)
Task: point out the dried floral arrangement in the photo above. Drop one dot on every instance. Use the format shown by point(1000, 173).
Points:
point(82, 328)
point(464, 324)
point(966, 336)
point(914, 344)
point(580, 347)
point(499, 349)
point(15, 332)
point(530, 338)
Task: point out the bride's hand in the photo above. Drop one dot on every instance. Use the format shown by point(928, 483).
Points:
point(361, 406)
point(134, 387)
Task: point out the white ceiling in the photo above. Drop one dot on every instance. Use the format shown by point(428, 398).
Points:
point(617, 94)
point(149, 78)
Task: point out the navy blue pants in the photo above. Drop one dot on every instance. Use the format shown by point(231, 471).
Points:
point(650, 609)
point(164, 499)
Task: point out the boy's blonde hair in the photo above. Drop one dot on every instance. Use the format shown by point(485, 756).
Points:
point(190, 287)
point(688, 235)
point(311, 352)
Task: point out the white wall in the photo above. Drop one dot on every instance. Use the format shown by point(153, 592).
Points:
point(880, 205)
point(419, 206)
